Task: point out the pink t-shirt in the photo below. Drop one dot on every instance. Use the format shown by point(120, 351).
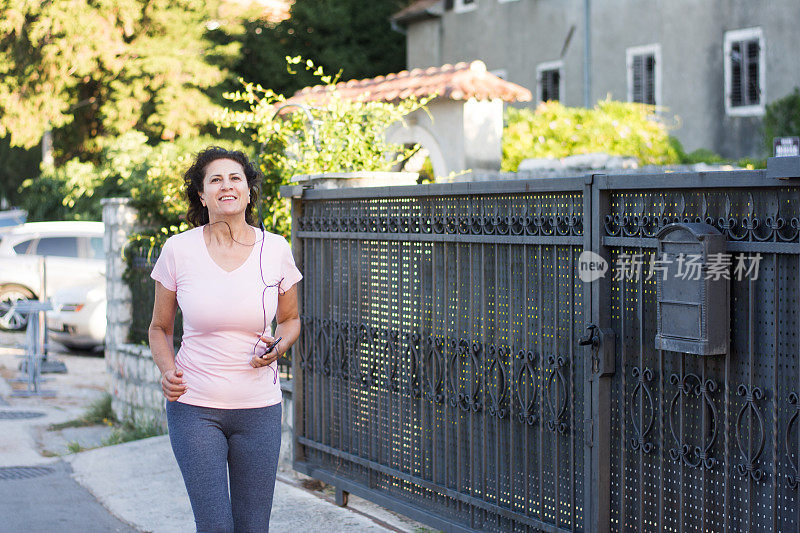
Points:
point(222, 311)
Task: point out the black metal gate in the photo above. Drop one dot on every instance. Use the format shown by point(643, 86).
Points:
point(703, 443)
point(440, 374)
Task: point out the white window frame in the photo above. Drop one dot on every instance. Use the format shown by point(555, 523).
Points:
point(550, 65)
point(648, 49)
point(460, 7)
point(746, 34)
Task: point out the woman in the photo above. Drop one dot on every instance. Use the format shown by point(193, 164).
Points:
point(224, 400)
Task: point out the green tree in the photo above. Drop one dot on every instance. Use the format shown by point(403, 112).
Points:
point(348, 35)
point(152, 176)
point(90, 70)
point(15, 165)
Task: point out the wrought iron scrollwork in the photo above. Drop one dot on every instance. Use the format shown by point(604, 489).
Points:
point(566, 224)
point(341, 350)
point(363, 345)
point(540, 216)
point(638, 224)
point(644, 397)
point(469, 393)
point(557, 394)
point(526, 397)
point(613, 225)
point(496, 396)
point(463, 375)
point(729, 225)
point(394, 224)
point(307, 346)
point(518, 223)
point(693, 456)
point(542, 224)
point(319, 346)
point(392, 372)
point(457, 348)
point(770, 227)
point(414, 356)
point(793, 477)
point(451, 224)
point(432, 369)
point(750, 455)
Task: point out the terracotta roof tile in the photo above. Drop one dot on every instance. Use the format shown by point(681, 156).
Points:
point(461, 81)
point(419, 9)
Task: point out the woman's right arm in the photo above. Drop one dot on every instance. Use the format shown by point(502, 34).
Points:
point(160, 335)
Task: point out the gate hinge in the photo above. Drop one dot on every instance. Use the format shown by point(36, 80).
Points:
point(588, 432)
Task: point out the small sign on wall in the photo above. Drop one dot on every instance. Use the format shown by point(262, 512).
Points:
point(786, 146)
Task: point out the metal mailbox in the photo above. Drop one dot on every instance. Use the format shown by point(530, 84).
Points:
point(693, 304)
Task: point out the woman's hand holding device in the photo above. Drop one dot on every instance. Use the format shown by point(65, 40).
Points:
point(271, 355)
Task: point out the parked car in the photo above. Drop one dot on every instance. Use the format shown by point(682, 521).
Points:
point(63, 254)
point(78, 317)
point(12, 217)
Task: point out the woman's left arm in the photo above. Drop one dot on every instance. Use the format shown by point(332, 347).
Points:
point(288, 319)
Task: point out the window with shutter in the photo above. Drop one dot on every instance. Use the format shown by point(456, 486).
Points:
point(644, 75)
point(744, 72)
point(548, 80)
point(462, 6)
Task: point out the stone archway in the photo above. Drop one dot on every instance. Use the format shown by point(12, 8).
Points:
point(416, 134)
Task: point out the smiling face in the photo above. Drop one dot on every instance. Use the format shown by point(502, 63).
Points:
point(225, 189)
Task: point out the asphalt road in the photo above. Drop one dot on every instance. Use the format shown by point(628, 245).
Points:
point(38, 494)
point(52, 502)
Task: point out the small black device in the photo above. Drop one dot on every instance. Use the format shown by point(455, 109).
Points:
point(272, 346)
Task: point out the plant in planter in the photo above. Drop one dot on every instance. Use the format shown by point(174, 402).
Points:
point(323, 134)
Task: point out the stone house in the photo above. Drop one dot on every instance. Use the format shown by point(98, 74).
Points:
point(711, 65)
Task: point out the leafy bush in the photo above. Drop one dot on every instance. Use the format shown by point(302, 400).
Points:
point(704, 155)
point(337, 135)
point(782, 119)
point(616, 128)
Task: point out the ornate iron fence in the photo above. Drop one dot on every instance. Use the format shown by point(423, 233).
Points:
point(439, 371)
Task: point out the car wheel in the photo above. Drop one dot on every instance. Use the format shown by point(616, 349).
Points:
point(12, 320)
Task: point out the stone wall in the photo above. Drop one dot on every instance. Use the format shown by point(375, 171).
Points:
point(133, 377)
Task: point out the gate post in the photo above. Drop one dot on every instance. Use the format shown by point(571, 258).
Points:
point(597, 387)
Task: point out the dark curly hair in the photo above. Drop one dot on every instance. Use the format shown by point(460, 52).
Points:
point(193, 182)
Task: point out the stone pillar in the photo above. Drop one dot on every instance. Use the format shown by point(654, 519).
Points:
point(120, 220)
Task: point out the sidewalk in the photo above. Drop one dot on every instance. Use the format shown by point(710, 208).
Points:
point(136, 485)
point(140, 483)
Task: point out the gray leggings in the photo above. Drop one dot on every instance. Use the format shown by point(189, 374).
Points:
point(212, 444)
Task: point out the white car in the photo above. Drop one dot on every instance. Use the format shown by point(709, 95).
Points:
point(78, 317)
point(64, 254)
